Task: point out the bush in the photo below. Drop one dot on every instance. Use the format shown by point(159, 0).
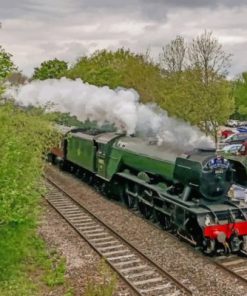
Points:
point(24, 138)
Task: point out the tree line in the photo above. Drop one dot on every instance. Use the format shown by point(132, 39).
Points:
point(190, 79)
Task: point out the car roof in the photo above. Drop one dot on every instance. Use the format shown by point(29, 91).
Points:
point(239, 135)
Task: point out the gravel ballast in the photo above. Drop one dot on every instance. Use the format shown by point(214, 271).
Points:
point(200, 275)
point(82, 262)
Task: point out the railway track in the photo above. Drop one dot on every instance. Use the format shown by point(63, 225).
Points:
point(140, 273)
point(233, 264)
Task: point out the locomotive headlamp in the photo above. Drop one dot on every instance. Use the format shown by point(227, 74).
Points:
point(221, 237)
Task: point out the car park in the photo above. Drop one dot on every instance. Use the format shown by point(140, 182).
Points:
point(242, 129)
point(234, 148)
point(237, 138)
point(232, 123)
point(243, 123)
point(225, 133)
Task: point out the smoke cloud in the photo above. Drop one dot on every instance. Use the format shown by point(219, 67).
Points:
point(120, 106)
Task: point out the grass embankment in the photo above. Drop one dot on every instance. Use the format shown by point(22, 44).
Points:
point(26, 266)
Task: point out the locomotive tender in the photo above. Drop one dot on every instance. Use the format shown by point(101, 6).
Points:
point(186, 193)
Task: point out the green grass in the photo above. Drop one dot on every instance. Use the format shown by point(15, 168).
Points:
point(106, 287)
point(26, 265)
point(40, 270)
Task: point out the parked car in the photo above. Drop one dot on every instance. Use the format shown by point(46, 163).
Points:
point(243, 123)
point(232, 123)
point(238, 138)
point(232, 149)
point(242, 129)
point(226, 133)
point(243, 149)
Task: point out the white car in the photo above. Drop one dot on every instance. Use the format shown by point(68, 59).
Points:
point(232, 123)
point(237, 138)
point(231, 148)
point(238, 192)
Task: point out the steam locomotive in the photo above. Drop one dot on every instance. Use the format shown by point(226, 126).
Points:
point(186, 193)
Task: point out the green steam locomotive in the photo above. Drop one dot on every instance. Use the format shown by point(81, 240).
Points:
point(185, 192)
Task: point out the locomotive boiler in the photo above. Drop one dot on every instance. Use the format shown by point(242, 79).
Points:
point(185, 192)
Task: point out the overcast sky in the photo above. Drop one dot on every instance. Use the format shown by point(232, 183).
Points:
point(38, 30)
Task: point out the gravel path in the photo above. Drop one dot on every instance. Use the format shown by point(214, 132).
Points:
point(201, 276)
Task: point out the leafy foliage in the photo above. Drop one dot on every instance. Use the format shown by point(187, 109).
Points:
point(17, 78)
point(6, 64)
point(24, 139)
point(50, 69)
point(121, 69)
point(102, 68)
point(240, 95)
point(196, 87)
point(193, 78)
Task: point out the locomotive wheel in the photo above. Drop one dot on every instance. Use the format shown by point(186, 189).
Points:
point(90, 179)
point(84, 176)
point(51, 158)
point(146, 211)
point(129, 198)
point(104, 188)
point(164, 220)
point(78, 173)
point(129, 201)
point(62, 165)
point(209, 246)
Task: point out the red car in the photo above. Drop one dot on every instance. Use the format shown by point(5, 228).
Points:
point(226, 133)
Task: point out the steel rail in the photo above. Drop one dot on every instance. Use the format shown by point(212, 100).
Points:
point(155, 266)
point(185, 243)
point(234, 265)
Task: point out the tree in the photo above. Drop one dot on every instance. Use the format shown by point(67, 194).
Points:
point(50, 69)
point(173, 56)
point(240, 95)
point(211, 63)
point(205, 53)
point(101, 68)
point(121, 69)
point(6, 64)
point(6, 67)
point(199, 91)
point(17, 78)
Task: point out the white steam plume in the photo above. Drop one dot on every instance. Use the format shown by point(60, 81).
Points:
point(120, 106)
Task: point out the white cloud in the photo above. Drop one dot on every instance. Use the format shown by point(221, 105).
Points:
point(34, 31)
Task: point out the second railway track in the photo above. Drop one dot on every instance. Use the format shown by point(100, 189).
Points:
point(137, 270)
point(233, 264)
